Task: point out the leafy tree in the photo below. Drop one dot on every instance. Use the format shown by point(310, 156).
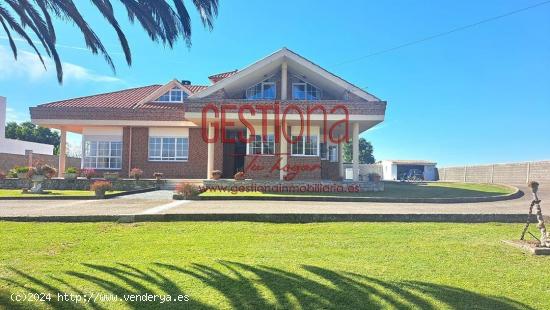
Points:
point(365, 152)
point(28, 131)
point(163, 22)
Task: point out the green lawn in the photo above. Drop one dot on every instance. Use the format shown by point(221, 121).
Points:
point(399, 190)
point(19, 193)
point(266, 266)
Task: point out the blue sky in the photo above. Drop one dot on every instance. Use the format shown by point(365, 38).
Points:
point(476, 96)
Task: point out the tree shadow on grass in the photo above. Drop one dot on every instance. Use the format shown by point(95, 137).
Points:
point(246, 286)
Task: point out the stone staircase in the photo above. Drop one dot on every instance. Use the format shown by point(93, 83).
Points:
point(170, 184)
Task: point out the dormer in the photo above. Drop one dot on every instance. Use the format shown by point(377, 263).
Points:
point(174, 95)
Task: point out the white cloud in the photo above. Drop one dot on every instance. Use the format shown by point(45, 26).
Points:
point(29, 66)
point(14, 116)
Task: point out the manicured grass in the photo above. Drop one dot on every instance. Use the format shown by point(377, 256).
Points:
point(65, 193)
point(397, 190)
point(265, 266)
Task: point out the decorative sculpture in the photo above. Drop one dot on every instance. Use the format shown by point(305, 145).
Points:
point(544, 240)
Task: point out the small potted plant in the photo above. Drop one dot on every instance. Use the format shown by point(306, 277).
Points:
point(22, 172)
point(158, 175)
point(100, 187)
point(110, 175)
point(374, 177)
point(187, 191)
point(216, 175)
point(239, 176)
point(88, 173)
point(71, 173)
point(136, 173)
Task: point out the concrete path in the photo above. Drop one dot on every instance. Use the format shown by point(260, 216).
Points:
point(160, 202)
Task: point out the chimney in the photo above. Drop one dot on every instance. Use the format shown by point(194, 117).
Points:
point(2, 117)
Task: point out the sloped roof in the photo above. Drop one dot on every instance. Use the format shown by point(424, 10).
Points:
point(278, 57)
point(126, 98)
point(195, 88)
point(220, 76)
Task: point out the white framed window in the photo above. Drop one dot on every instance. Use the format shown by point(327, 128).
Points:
point(304, 145)
point(168, 148)
point(102, 154)
point(304, 91)
point(266, 89)
point(329, 152)
point(262, 144)
point(173, 95)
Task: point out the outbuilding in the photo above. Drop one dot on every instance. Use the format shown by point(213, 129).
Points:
point(406, 169)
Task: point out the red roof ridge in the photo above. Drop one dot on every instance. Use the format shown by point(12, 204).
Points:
point(100, 94)
point(220, 76)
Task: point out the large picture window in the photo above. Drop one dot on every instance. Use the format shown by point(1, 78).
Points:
point(304, 91)
point(168, 148)
point(102, 154)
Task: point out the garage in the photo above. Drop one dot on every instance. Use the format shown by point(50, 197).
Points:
point(412, 170)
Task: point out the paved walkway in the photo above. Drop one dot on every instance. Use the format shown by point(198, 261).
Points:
point(160, 202)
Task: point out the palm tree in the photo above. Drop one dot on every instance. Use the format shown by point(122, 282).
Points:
point(162, 21)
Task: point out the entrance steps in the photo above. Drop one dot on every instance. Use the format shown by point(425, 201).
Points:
point(170, 184)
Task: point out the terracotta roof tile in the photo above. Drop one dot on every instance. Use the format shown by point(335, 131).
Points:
point(126, 98)
point(195, 88)
point(220, 76)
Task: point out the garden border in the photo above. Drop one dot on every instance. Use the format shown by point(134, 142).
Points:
point(107, 196)
point(516, 194)
point(280, 218)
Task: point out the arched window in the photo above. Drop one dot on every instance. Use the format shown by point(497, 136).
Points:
point(173, 95)
point(304, 91)
point(266, 89)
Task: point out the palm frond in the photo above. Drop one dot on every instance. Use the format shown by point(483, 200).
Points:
point(7, 18)
point(162, 21)
point(106, 9)
point(10, 39)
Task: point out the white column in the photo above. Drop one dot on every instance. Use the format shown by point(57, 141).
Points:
point(210, 160)
point(284, 82)
point(62, 152)
point(341, 158)
point(2, 117)
point(284, 154)
point(355, 142)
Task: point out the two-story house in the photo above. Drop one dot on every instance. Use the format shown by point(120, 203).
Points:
point(275, 117)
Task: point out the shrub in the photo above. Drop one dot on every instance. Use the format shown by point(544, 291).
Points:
point(110, 175)
point(88, 173)
point(71, 170)
point(239, 176)
point(2, 175)
point(12, 173)
point(22, 169)
point(48, 171)
point(216, 174)
point(374, 177)
point(158, 175)
point(188, 190)
point(136, 173)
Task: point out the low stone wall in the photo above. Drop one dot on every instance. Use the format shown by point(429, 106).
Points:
point(80, 184)
point(511, 173)
point(292, 186)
